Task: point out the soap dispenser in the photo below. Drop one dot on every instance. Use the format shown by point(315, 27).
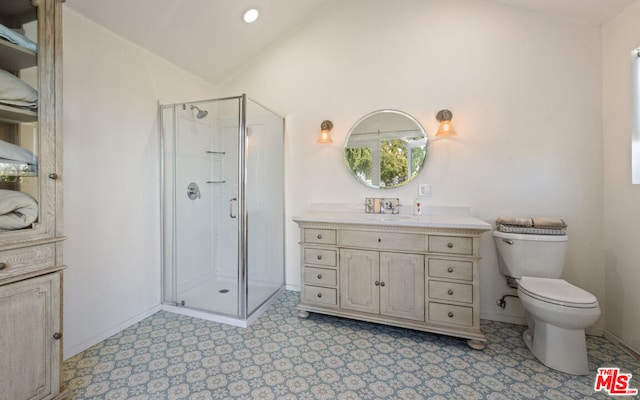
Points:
point(417, 206)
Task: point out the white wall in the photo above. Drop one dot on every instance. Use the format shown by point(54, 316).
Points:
point(526, 96)
point(621, 199)
point(111, 179)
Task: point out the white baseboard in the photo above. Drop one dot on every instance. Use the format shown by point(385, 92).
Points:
point(295, 288)
point(80, 347)
point(620, 343)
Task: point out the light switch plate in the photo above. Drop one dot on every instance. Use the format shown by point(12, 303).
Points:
point(424, 190)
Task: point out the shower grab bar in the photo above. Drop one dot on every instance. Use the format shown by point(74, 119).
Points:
point(231, 207)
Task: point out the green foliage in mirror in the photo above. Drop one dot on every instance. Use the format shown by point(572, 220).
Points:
point(386, 149)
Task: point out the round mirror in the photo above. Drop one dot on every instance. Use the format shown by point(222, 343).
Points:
point(386, 149)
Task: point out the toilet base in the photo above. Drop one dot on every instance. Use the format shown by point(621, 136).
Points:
point(558, 348)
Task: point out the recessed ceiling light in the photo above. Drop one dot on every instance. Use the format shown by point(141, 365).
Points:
point(250, 15)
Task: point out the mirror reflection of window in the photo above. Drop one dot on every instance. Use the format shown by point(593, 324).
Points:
point(386, 149)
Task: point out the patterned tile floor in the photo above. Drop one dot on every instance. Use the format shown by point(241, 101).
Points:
point(281, 356)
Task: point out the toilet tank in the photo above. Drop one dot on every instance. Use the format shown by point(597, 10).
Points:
point(541, 256)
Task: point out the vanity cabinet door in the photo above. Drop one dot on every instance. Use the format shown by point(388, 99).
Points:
point(30, 339)
point(359, 272)
point(402, 285)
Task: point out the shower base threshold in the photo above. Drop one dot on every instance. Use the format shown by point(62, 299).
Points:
point(224, 319)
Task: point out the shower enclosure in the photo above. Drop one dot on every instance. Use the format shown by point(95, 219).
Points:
point(223, 208)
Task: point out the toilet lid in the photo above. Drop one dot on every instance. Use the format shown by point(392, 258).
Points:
point(557, 291)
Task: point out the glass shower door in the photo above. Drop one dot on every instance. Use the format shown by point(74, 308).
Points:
point(206, 203)
point(264, 204)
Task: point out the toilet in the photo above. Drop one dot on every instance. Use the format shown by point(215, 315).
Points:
point(557, 312)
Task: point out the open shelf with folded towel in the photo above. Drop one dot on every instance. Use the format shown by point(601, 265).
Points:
point(15, 58)
point(17, 115)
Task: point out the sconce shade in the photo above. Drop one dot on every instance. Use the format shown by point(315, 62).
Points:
point(446, 127)
point(325, 132)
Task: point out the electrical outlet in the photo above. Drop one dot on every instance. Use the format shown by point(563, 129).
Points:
point(424, 190)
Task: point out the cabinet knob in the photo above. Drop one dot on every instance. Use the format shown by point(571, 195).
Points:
point(57, 336)
point(319, 236)
point(319, 276)
point(450, 269)
point(379, 240)
point(450, 245)
point(382, 284)
point(450, 292)
point(53, 175)
point(3, 266)
point(319, 257)
point(377, 283)
point(319, 294)
point(450, 315)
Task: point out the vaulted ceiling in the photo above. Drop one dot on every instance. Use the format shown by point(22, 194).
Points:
point(209, 38)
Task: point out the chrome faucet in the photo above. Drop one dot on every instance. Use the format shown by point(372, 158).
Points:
point(389, 206)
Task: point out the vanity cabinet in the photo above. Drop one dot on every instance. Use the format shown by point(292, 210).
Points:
point(410, 274)
point(382, 283)
point(30, 174)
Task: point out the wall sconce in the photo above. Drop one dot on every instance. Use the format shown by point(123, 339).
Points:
point(325, 132)
point(446, 127)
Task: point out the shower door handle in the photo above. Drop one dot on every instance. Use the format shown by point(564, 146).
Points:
point(231, 207)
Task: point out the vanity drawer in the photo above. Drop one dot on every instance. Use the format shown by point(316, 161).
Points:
point(320, 276)
point(320, 295)
point(320, 256)
point(451, 291)
point(450, 314)
point(382, 240)
point(26, 260)
point(450, 244)
point(452, 269)
point(321, 236)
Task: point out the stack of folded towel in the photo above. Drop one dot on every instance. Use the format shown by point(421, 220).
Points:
point(17, 93)
point(532, 225)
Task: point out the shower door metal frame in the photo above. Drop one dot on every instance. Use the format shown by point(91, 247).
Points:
point(242, 285)
point(243, 239)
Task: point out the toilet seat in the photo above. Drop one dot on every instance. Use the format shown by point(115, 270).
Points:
point(557, 292)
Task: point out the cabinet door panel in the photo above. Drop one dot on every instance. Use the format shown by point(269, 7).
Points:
point(359, 270)
point(402, 285)
point(29, 317)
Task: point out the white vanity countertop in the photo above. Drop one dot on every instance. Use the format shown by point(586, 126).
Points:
point(424, 221)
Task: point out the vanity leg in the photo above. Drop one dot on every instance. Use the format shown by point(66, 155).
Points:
point(476, 344)
point(303, 314)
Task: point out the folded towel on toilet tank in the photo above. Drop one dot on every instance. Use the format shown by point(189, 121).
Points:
point(549, 223)
point(515, 221)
